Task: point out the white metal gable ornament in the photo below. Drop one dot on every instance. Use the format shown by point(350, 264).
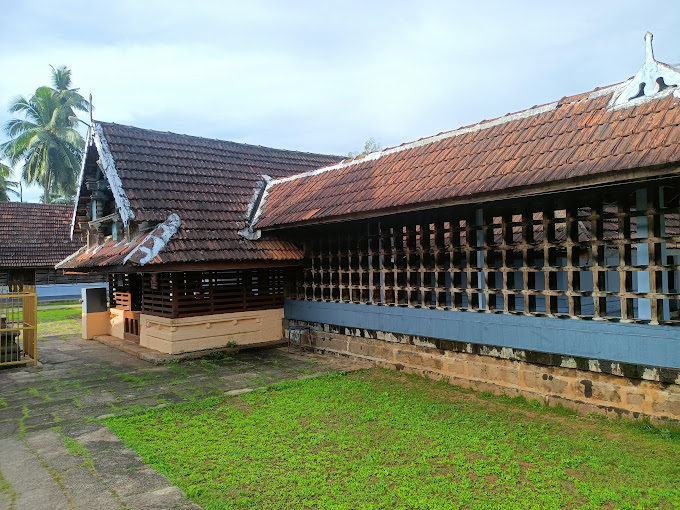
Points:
point(652, 78)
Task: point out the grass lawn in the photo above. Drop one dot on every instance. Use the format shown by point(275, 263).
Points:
point(59, 322)
point(380, 439)
point(61, 302)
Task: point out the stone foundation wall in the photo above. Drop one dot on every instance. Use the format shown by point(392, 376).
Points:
point(585, 385)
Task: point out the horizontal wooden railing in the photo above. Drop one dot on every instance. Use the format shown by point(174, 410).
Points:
point(122, 300)
point(202, 293)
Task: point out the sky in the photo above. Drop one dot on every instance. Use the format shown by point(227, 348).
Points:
point(325, 76)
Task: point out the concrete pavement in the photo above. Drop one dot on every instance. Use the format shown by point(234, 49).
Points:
point(55, 453)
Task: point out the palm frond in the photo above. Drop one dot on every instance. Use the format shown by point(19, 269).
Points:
point(16, 127)
point(61, 77)
point(7, 187)
point(18, 104)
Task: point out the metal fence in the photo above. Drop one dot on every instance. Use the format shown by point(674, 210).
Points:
point(18, 325)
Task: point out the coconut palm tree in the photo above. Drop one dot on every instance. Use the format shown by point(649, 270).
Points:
point(69, 98)
point(46, 140)
point(7, 187)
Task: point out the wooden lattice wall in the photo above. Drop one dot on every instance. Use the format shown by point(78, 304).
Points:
point(608, 254)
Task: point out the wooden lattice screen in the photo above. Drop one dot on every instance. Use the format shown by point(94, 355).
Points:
point(608, 254)
point(191, 293)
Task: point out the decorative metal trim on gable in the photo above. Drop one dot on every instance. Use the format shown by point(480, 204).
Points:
point(158, 238)
point(254, 210)
point(81, 176)
point(652, 78)
point(108, 168)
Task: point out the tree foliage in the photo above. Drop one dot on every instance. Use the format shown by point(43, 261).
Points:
point(371, 145)
point(7, 187)
point(45, 140)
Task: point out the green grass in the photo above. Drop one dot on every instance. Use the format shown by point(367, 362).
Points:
point(59, 322)
point(55, 314)
point(6, 488)
point(380, 439)
point(132, 379)
point(63, 302)
point(74, 448)
point(59, 314)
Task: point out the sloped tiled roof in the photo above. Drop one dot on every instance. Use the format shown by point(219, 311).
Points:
point(207, 183)
point(35, 235)
point(576, 137)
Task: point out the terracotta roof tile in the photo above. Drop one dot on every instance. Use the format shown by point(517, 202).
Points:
point(35, 235)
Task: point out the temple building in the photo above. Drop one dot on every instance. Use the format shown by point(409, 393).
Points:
point(533, 254)
point(159, 214)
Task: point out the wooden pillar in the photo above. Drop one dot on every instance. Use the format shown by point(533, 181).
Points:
point(643, 277)
point(573, 267)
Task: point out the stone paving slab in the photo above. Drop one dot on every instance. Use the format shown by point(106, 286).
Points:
point(49, 446)
point(86, 490)
point(78, 382)
point(9, 428)
point(5, 501)
point(33, 485)
point(131, 483)
point(168, 497)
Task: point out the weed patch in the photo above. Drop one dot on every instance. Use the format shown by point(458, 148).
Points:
point(6, 488)
point(74, 448)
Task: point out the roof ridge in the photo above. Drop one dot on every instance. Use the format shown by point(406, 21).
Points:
point(483, 124)
point(36, 204)
point(263, 147)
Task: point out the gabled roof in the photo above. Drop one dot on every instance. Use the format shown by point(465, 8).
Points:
point(35, 235)
point(208, 184)
point(573, 141)
point(576, 137)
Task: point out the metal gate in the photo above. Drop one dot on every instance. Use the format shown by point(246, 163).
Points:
point(18, 325)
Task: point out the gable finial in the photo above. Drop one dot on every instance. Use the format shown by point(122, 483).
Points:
point(653, 78)
point(649, 49)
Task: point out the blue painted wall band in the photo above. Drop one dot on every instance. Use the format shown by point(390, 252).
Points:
point(657, 346)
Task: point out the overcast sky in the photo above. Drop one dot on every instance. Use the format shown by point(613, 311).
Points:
point(325, 76)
